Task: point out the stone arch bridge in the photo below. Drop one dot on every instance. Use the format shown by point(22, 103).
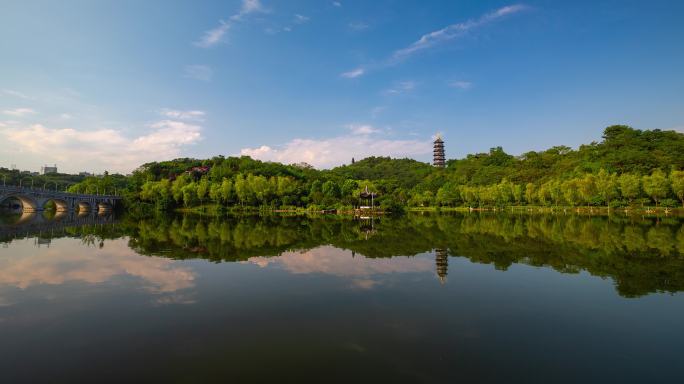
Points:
point(34, 200)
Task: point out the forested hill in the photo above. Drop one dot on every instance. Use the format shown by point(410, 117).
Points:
point(558, 175)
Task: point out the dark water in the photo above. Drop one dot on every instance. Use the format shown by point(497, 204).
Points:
point(422, 298)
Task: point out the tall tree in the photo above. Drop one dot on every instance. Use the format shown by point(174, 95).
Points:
point(630, 186)
point(606, 186)
point(677, 181)
point(656, 185)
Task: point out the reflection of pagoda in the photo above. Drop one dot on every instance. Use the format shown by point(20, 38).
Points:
point(441, 263)
point(439, 158)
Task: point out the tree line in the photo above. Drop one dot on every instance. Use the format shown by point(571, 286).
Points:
point(628, 167)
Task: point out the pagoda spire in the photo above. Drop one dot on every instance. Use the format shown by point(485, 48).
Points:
point(439, 159)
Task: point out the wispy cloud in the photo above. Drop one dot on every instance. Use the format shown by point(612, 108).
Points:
point(401, 87)
point(446, 34)
point(362, 141)
point(193, 115)
point(376, 111)
point(11, 92)
point(354, 73)
point(357, 26)
point(215, 35)
point(336, 4)
point(300, 19)
point(362, 129)
point(199, 72)
point(297, 20)
point(461, 84)
point(19, 112)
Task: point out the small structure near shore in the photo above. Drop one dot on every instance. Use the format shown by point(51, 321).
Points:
point(367, 197)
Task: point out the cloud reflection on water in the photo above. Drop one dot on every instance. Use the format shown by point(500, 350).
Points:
point(68, 261)
point(362, 271)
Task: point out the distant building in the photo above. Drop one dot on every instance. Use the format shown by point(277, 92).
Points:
point(46, 170)
point(85, 174)
point(439, 159)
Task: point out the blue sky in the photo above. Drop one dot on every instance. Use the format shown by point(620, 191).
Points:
point(104, 85)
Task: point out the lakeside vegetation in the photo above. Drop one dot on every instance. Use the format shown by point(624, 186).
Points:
point(627, 168)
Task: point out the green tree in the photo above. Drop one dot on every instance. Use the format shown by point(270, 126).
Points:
point(189, 194)
point(530, 193)
point(587, 188)
point(571, 192)
point(226, 190)
point(606, 186)
point(677, 181)
point(202, 189)
point(630, 186)
point(330, 189)
point(215, 192)
point(656, 185)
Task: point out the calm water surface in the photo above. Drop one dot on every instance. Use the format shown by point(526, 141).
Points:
point(422, 298)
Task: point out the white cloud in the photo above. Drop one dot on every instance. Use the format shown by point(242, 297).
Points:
point(19, 112)
point(11, 92)
point(182, 115)
point(199, 72)
point(354, 73)
point(104, 149)
point(401, 87)
point(357, 26)
point(336, 4)
point(251, 6)
point(445, 34)
point(215, 35)
point(65, 116)
point(455, 30)
point(376, 111)
point(362, 129)
point(461, 84)
point(300, 19)
point(325, 153)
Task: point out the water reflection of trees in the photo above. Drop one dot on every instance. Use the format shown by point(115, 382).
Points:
point(642, 255)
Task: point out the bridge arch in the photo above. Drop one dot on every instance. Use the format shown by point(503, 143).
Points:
point(28, 204)
point(61, 205)
point(104, 206)
point(84, 206)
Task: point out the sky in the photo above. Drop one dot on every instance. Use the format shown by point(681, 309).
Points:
point(97, 85)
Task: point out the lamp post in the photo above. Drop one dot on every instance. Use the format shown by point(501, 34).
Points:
point(21, 180)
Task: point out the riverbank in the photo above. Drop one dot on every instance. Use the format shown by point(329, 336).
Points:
point(217, 210)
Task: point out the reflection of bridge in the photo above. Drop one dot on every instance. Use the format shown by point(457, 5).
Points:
point(33, 200)
point(31, 223)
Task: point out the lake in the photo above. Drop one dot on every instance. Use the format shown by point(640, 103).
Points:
point(425, 298)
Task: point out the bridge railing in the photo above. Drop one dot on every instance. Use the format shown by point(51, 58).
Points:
point(22, 189)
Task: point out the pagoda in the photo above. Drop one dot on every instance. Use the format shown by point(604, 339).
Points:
point(438, 153)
